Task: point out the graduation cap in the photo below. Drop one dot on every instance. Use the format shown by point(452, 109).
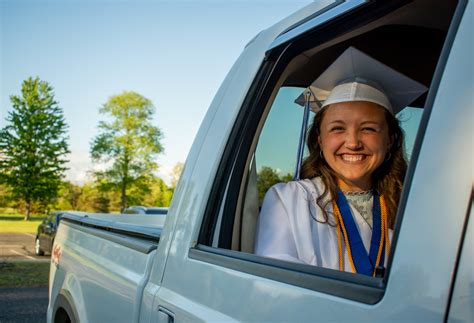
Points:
point(355, 76)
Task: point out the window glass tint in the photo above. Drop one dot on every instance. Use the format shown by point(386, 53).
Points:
point(409, 121)
point(275, 155)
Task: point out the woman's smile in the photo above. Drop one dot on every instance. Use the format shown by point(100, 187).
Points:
point(350, 158)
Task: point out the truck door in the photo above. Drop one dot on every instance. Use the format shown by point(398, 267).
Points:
point(249, 137)
point(462, 298)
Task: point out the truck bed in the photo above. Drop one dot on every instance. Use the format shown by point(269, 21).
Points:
point(104, 257)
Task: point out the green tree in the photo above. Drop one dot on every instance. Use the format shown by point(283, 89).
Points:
point(5, 196)
point(101, 204)
point(129, 142)
point(85, 201)
point(267, 177)
point(33, 145)
point(68, 197)
point(160, 194)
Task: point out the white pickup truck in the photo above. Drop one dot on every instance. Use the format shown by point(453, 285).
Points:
point(198, 264)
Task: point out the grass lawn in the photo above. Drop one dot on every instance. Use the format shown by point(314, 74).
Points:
point(14, 223)
point(24, 274)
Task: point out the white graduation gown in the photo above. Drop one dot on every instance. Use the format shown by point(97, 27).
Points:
point(287, 231)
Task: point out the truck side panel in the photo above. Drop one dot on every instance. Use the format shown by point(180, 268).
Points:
point(101, 271)
point(462, 300)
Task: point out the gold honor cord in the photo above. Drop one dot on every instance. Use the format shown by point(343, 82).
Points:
point(383, 208)
point(341, 227)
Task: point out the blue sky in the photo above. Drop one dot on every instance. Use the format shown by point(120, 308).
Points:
point(175, 53)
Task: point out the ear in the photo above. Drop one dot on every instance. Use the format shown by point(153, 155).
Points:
point(319, 140)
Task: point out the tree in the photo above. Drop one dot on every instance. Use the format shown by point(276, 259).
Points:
point(33, 145)
point(159, 194)
point(267, 177)
point(101, 204)
point(5, 196)
point(129, 142)
point(86, 202)
point(68, 197)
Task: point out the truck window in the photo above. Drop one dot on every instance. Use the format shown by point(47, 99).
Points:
point(276, 150)
point(275, 156)
point(263, 151)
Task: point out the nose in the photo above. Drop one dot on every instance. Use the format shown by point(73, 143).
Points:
point(352, 140)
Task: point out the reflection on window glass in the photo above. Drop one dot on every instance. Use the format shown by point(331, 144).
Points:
point(409, 121)
point(275, 156)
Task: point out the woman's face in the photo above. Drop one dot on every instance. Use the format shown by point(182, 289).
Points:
point(354, 140)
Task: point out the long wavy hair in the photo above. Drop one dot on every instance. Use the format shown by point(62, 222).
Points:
point(387, 178)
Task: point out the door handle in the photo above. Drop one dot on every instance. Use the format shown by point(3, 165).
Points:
point(165, 315)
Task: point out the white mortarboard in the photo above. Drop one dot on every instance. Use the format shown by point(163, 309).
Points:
point(355, 76)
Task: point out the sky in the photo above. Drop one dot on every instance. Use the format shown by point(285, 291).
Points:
point(175, 53)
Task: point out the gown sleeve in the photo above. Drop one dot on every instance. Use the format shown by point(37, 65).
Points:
point(274, 238)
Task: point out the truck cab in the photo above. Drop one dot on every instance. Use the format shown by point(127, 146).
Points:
point(200, 265)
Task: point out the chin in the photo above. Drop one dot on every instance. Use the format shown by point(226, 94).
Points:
point(355, 182)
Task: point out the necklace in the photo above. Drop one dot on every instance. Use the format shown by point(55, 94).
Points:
point(363, 203)
point(357, 192)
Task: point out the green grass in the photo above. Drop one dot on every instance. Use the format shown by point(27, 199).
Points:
point(8, 210)
point(14, 223)
point(24, 274)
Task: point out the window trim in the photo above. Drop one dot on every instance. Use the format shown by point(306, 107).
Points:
point(320, 17)
point(220, 184)
point(427, 109)
point(359, 288)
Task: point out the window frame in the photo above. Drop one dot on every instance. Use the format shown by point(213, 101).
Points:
point(228, 179)
point(427, 110)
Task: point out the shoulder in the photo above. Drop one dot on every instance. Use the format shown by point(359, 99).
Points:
point(307, 189)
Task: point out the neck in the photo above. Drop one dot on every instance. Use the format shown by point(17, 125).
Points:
point(348, 186)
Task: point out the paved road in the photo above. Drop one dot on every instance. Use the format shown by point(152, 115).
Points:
point(18, 246)
point(23, 304)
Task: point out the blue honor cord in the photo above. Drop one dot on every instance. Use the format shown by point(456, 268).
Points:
point(363, 262)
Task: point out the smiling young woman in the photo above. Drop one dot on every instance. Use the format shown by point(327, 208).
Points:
point(340, 214)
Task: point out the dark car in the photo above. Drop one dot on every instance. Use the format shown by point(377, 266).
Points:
point(46, 233)
point(145, 210)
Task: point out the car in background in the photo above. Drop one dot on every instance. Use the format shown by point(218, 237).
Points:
point(145, 210)
point(46, 233)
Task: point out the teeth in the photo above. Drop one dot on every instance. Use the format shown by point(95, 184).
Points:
point(352, 158)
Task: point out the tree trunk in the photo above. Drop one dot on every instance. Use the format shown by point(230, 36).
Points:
point(28, 207)
point(123, 199)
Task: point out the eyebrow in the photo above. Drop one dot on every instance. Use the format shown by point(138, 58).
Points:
point(369, 121)
point(362, 123)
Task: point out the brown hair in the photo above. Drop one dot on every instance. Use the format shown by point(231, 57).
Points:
point(388, 178)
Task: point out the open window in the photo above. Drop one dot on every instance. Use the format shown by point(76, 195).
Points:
point(262, 149)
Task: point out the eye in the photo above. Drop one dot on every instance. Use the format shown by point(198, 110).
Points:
point(336, 129)
point(369, 129)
